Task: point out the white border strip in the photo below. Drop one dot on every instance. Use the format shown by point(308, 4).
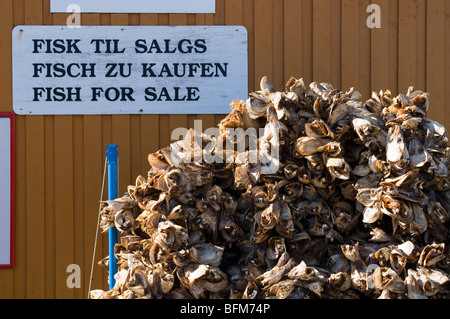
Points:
point(5, 191)
point(136, 6)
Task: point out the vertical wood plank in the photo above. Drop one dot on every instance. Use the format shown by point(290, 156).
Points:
point(336, 59)
point(177, 120)
point(78, 204)
point(20, 270)
point(149, 123)
point(93, 165)
point(379, 63)
point(363, 86)
point(278, 77)
point(35, 228)
point(350, 44)
point(121, 130)
point(263, 41)
point(50, 239)
point(121, 135)
point(407, 45)
point(393, 46)
point(64, 201)
point(322, 41)
point(6, 23)
point(207, 119)
point(219, 19)
point(421, 44)
point(135, 146)
point(293, 39)
point(64, 190)
point(248, 22)
point(19, 12)
point(233, 12)
point(35, 210)
point(307, 21)
point(436, 58)
point(48, 19)
point(447, 66)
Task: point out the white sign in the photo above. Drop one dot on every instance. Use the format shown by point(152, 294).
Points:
point(128, 69)
point(137, 6)
point(5, 193)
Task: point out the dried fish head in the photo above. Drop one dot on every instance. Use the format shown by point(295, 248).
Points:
point(344, 217)
point(396, 148)
point(207, 253)
point(338, 167)
point(309, 145)
point(318, 128)
point(256, 106)
point(340, 281)
point(282, 289)
point(170, 236)
point(276, 248)
point(341, 198)
point(384, 278)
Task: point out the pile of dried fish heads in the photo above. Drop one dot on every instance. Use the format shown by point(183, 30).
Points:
point(354, 203)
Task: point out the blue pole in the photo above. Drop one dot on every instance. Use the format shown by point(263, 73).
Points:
point(111, 155)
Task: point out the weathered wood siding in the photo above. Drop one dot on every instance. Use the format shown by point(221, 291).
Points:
point(60, 159)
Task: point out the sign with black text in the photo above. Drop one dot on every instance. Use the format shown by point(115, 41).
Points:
point(7, 190)
point(128, 69)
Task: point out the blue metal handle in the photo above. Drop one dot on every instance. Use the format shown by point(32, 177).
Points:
point(112, 155)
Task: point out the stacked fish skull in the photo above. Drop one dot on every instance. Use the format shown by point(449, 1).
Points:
point(354, 203)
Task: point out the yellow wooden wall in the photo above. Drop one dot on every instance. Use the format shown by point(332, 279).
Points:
point(60, 159)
